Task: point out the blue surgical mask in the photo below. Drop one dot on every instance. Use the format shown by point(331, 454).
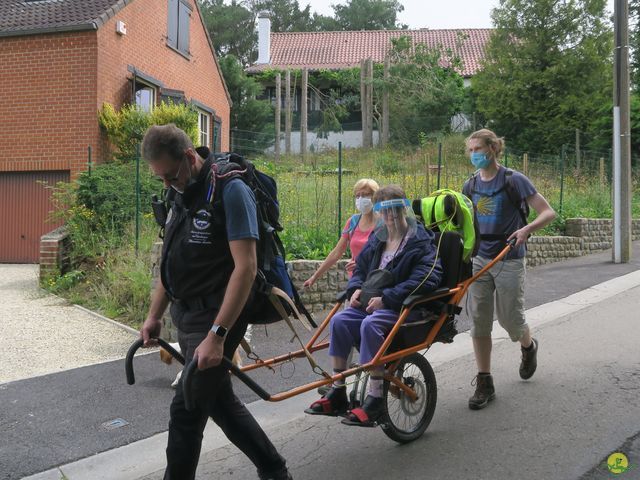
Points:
point(480, 159)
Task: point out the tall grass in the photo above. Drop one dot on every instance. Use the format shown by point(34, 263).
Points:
point(111, 279)
point(308, 188)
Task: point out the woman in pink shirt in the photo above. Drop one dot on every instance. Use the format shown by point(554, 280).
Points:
point(356, 231)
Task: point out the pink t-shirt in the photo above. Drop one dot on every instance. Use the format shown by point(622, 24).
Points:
point(357, 238)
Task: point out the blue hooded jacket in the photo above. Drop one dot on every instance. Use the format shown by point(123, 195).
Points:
point(409, 268)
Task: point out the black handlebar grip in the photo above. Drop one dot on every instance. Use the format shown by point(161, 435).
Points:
point(128, 363)
point(191, 370)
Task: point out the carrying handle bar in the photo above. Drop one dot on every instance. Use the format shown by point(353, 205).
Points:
point(192, 369)
point(128, 363)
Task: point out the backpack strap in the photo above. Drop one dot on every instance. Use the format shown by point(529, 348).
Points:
point(514, 197)
point(353, 223)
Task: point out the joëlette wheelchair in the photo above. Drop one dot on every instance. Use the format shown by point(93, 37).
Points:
point(410, 390)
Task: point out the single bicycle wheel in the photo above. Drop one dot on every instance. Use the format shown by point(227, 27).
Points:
point(403, 419)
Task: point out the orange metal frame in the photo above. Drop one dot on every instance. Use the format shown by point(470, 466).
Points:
point(380, 359)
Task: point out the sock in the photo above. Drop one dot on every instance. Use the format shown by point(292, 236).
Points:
point(375, 387)
point(483, 374)
point(341, 382)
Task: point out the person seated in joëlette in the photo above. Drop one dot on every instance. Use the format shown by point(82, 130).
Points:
point(399, 259)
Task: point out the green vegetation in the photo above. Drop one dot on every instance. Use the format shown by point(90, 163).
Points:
point(547, 72)
point(100, 210)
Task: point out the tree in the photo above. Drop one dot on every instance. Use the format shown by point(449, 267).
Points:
point(424, 90)
point(369, 15)
point(634, 42)
point(253, 118)
point(547, 71)
point(286, 15)
point(232, 29)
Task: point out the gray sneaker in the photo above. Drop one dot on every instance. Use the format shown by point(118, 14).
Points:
point(485, 392)
point(529, 361)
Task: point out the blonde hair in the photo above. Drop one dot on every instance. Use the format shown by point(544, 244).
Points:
point(490, 140)
point(366, 183)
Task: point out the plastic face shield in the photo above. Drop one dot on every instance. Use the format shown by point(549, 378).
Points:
point(395, 219)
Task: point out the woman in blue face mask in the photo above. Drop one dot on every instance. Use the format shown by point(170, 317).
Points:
point(356, 231)
point(500, 197)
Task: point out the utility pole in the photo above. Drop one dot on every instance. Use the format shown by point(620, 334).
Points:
point(621, 136)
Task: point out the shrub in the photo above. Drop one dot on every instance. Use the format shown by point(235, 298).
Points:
point(125, 129)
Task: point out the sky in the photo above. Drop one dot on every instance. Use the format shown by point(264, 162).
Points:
point(433, 14)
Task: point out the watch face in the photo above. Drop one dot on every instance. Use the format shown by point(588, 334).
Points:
point(219, 330)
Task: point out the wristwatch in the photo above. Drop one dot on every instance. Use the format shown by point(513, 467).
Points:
point(219, 330)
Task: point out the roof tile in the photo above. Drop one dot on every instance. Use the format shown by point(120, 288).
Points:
point(22, 17)
point(336, 50)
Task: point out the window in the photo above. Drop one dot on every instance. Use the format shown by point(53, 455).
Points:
point(145, 96)
point(178, 26)
point(203, 128)
point(217, 134)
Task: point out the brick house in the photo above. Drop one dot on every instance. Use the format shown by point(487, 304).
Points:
point(60, 60)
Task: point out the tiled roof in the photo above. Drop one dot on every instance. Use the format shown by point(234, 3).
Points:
point(336, 50)
point(25, 17)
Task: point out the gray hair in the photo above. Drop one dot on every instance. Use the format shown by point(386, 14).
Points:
point(160, 140)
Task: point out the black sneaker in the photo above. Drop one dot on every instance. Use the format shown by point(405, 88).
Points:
point(485, 392)
point(529, 361)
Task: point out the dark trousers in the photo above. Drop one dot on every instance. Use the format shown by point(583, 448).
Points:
point(214, 397)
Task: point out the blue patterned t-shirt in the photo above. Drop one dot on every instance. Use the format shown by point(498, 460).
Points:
point(497, 215)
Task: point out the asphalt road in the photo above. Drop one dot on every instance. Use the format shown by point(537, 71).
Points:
point(55, 419)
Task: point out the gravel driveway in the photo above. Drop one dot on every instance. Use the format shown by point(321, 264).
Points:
point(41, 333)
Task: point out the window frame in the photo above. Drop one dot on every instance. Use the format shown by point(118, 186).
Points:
point(148, 87)
point(201, 132)
point(176, 27)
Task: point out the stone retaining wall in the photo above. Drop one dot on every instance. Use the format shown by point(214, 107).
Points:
point(584, 236)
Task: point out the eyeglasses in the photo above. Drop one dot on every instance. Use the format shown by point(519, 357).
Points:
point(171, 178)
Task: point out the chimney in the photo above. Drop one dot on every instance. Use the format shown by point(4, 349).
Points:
point(264, 38)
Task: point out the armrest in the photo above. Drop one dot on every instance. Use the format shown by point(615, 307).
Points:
point(411, 299)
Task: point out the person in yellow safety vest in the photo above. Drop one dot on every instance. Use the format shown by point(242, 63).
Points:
point(449, 211)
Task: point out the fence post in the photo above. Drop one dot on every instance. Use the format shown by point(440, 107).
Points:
point(439, 164)
point(137, 198)
point(339, 189)
point(562, 162)
point(601, 172)
point(525, 164)
point(428, 172)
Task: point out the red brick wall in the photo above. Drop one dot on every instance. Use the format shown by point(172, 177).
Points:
point(52, 85)
point(145, 47)
point(47, 101)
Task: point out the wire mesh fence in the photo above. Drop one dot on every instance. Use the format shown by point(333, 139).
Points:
point(314, 209)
